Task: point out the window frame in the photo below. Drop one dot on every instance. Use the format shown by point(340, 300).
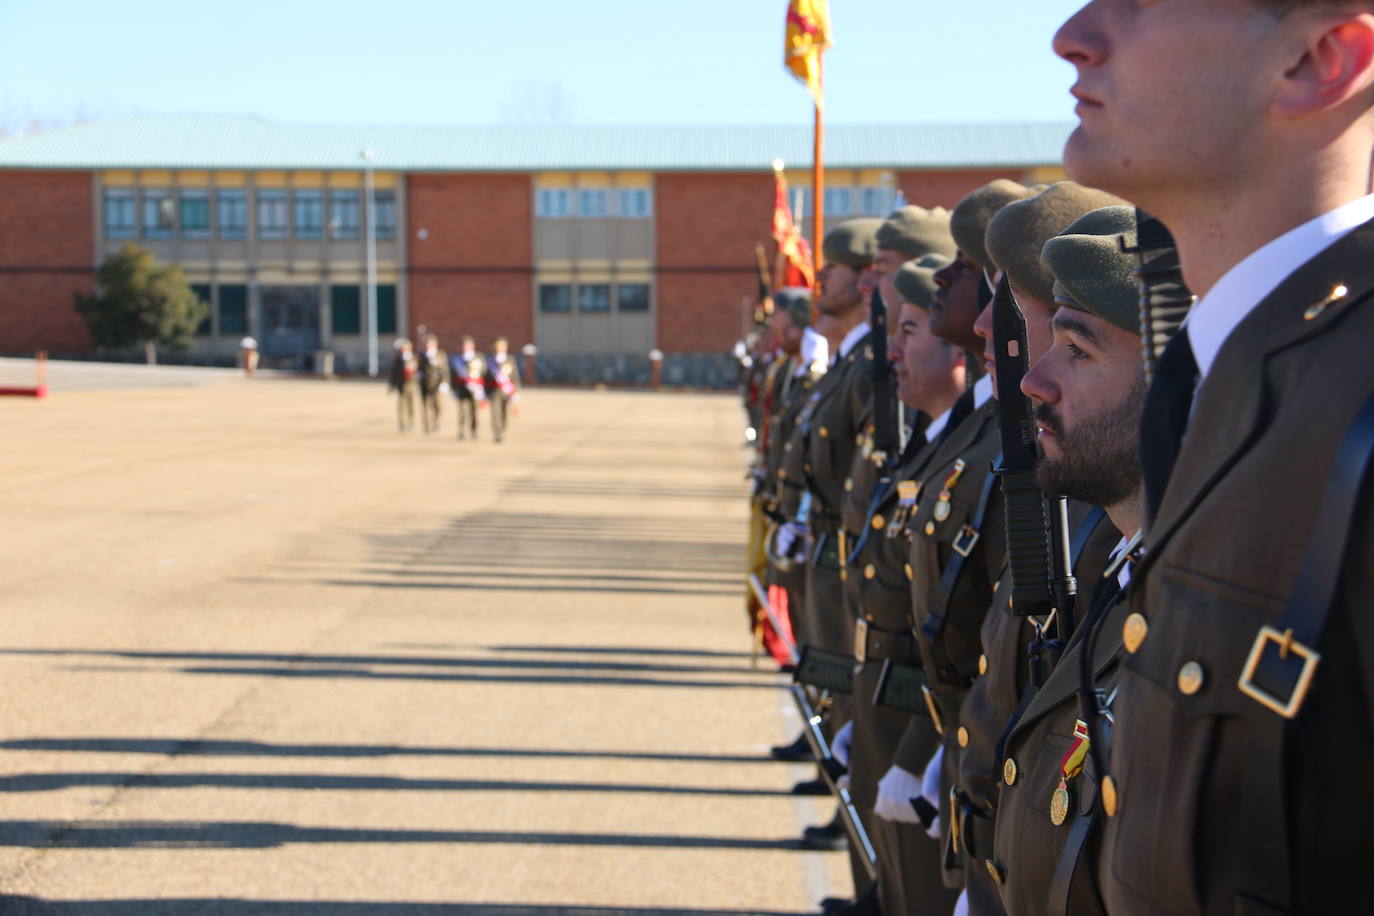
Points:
point(239, 197)
point(344, 200)
point(127, 197)
point(188, 230)
point(544, 196)
point(584, 195)
point(648, 298)
point(584, 309)
point(544, 307)
point(280, 202)
point(158, 201)
point(384, 214)
point(622, 195)
point(302, 201)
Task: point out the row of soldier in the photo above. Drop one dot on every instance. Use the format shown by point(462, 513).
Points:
point(1186, 731)
point(476, 380)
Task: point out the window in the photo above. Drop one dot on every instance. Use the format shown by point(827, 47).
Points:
point(202, 291)
point(272, 214)
point(233, 309)
point(839, 201)
point(875, 201)
point(552, 203)
point(159, 214)
point(343, 214)
point(308, 209)
point(121, 214)
point(386, 309)
point(195, 215)
point(594, 297)
point(555, 297)
point(632, 297)
point(384, 208)
point(345, 309)
point(231, 214)
point(593, 203)
point(802, 210)
point(633, 203)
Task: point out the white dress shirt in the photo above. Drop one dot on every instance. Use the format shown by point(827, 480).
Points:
point(852, 338)
point(937, 425)
point(1246, 285)
point(982, 390)
point(814, 351)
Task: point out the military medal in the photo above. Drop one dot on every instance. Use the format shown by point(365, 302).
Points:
point(943, 508)
point(1069, 767)
point(907, 491)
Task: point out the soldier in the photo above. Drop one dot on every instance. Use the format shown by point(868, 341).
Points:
point(502, 382)
point(469, 370)
point(433, 381)
point(1089, 390)
point(945, 522)
point(1238, 773)
point(1013, 242)
point(930, 378)
point(405, 381)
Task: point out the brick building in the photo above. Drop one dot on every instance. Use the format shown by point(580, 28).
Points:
point(597, 245)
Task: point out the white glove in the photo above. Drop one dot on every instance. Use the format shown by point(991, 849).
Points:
point(791, 542)
point(961, 905)
point(895, 791)
point(930, 789)
point(843, 782)
point(844, 740)
point(444, 388)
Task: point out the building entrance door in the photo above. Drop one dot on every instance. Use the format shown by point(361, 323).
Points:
point(290, 325)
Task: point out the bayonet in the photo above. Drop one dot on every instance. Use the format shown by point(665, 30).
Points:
point(886, 447)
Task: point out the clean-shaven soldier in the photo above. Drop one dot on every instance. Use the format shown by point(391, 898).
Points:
point(1089, 391)
point(1013, 243)
point(469, 368)
point(1238, 776)
point(502, 384)
point(433, 382)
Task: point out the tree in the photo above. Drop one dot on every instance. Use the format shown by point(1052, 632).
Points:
point(138, 301)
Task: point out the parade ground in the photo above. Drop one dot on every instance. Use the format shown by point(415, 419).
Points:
point(262, 654)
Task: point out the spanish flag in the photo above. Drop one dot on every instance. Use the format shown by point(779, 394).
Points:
point(794, 250)
point(808, 35)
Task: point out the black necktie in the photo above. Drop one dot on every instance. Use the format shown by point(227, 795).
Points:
point(1167, 407)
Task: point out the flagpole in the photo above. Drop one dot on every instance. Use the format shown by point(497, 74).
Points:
point(818, 173)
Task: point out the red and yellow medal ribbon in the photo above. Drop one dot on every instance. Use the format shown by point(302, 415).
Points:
point(954, 475)
point(1072, 764)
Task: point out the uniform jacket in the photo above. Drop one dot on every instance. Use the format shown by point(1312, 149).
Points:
point(1197, 830)
point(507, 366)
point(405, 373)
point(433, 372)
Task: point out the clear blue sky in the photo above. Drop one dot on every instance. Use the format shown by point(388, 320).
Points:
point(525, 61)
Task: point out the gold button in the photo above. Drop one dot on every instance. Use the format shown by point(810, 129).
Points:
point(859, 439)
point(997, 877)
point(962, 735)
point(1190, 679)
point(870, 571)
point(879, 523)
point(1009, 772)
point(782, 475)
point(1133, 632)
point(982, 664)
point(849, 484)
point(930, 528)
point(1109, 796)
point(824, 432)
point(910, 574)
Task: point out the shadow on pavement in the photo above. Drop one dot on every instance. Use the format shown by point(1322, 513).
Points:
point(268, 835)
point(32, 906)
point(212, 748)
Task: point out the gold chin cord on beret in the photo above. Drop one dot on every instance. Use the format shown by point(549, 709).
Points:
point(1093, 267)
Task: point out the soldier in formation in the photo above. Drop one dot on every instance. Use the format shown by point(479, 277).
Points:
point(469, 386)
point(405, 381)
point(434, 370)
point(502, 385)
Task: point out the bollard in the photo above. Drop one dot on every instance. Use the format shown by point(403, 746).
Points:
point(655, 369)
point(324, 363)
point(248, 355)
point(529, 351)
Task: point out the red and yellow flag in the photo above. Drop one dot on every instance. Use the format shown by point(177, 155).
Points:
point(808, 36)
point(795, 250)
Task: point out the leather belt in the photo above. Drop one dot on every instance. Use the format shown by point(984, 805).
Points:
point(872, 644)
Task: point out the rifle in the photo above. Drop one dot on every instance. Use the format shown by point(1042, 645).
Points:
point(1164, 299)
point(1038, 554)
point(831, 769)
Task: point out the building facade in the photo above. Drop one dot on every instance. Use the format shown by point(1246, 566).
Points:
point(595, 245)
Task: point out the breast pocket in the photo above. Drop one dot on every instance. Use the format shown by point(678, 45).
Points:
point(1177, 748)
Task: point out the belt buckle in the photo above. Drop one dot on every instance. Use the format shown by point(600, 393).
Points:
point(965, 541)
point(861, 641)
point(934, 710)
point(1285, 643)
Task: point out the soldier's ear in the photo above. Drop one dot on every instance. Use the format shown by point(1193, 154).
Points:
point(1331, 63)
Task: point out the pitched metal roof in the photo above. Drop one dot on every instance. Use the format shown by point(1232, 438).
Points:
point(203, 142)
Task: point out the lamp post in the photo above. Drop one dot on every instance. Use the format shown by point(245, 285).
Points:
point(370, 210)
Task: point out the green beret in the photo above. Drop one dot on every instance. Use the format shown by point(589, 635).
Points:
point(915, 280)
point(916, 231)
point(853, 242)
point(969, 221)
point(1019, 232)
point(1091, 271)
point(796, 302)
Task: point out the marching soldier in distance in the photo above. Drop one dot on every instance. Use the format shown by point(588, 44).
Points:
point(502, 381)
point(1089, 391)
point(1004, 675)
point(433, 381)
point(1244, 723)
point(405, 381)
point(469, 386)
point(953, 518)
point(930, 378)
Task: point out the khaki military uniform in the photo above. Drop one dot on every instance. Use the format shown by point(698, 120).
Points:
point(943, 527)
point(469, 374)
point(433, 376)
point(1208, 819)
point(405, 381)
point(789, 394)
point(496, 397)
